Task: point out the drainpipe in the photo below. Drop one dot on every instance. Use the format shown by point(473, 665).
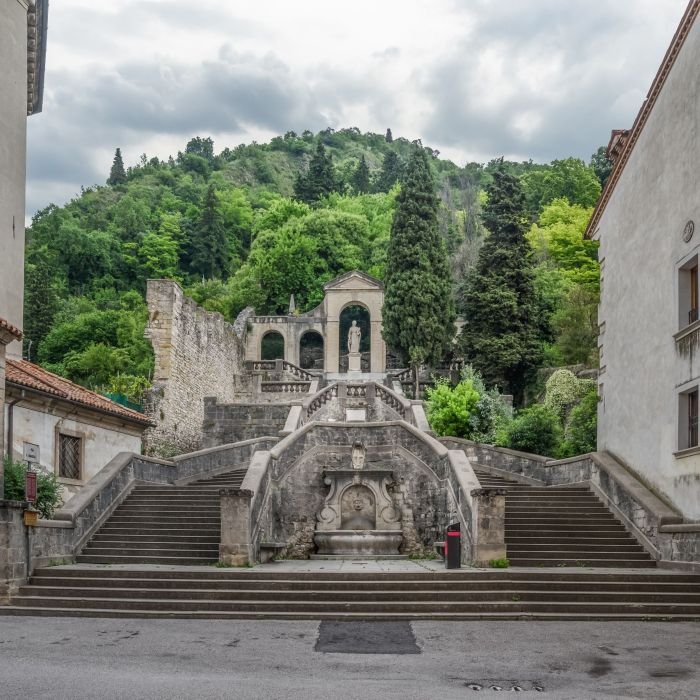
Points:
point(10, 421)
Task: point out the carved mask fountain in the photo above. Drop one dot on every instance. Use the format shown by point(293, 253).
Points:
point(358, 517)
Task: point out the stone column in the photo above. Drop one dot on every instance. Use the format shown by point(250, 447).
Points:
point(489, 541)
point(331, 347)
point(377, 361)
point(13, 548)
point(235, 547)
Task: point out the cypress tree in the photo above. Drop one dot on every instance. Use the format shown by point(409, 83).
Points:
point(390, 172)
point(117, 174)
point(501, 338)
point(389, 138)
point(40, 301)
point(360, 178)
point(209, 252)
point(418, 313)
point(319, 181)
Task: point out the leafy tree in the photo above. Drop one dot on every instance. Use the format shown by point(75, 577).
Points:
point(451, 411)
point(389, 138)
point(117, 174)
point(390, 173)
point(209, 248)
point(319, 181)
point(536, 430)
point(564, 390)
point(203, 147)
point(602, 165)
point(575, 323)
point(418, 310)
point(360, 178)
point(501, 337)
point(570, 178)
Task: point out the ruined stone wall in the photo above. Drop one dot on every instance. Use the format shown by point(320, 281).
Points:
point(227, 423)
point(197, 355)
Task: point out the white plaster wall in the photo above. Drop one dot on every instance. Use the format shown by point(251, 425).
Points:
point(641, 247)
point(101, 442)
point(13, 139)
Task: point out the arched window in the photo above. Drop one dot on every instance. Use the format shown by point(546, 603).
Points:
point(272, 346)
point(359, 314)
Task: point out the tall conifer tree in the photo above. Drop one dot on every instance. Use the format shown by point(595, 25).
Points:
point(360, 178)
point(390, 172)
point(209, 250)
point(319, 181)
point(501, 338)
point(117, 174)
point(418, 314)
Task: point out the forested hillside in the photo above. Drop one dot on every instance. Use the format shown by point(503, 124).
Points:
point(251, 225)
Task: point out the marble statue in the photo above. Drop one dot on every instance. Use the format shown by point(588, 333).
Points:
point(354, 335)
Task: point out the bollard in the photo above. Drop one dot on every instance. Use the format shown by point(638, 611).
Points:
point(453, 546)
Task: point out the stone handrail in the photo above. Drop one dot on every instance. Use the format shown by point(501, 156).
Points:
point(316, 402)
point(398, 403)
point(356, 391)
point(285, 387)
point(280, 366)
point(298, 371)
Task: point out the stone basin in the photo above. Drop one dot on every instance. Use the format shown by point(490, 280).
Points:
point(358, 542)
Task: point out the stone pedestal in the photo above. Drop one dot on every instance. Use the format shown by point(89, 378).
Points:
point(354, 362)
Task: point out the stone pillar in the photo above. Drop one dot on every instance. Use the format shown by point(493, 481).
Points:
point(377, 362)
point(235, 547)
point(332, 345)
point(489, 540)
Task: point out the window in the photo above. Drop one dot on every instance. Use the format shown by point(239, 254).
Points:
point(69, 456)
point(688, 293)
point(688, 406)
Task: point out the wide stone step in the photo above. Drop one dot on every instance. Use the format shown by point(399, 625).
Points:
point(134, 559)
point(159, 531)
point(133, 544)
point(378, 595)
point(383, 607)
point(138, 536)
point(171, 519)
point(191, 551)
point(252, 582)
point(574, 547)
point(596, 538)
point(579, 560)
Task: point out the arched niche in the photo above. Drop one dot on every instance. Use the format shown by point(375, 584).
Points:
point(359, 313)
point(311, 350)
point(272, 346)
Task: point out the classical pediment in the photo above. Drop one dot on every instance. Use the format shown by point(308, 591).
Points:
point(353, 280)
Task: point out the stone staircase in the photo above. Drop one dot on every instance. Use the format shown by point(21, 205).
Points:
point(163, 524)
point(567, 526)
point(201, 593)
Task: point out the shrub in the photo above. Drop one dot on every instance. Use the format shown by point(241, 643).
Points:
point(535, 429)
point(449, 410)
point(564, 390)
point(468, 410)
point(48, 490)
point(582, 428)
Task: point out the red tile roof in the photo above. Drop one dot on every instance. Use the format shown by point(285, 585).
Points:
point(7, 326)
point(31, 376)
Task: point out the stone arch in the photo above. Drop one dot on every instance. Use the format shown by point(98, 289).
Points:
point(311, 350)
point(272, 345)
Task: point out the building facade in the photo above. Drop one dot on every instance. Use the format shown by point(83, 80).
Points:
point(22, 52)
point(648, 225)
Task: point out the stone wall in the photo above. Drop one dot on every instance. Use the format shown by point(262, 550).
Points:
point(13, 559)
point(197, 355)
point(225, 423)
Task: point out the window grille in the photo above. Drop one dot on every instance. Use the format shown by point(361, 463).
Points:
point(693, 419)
point(69, 451)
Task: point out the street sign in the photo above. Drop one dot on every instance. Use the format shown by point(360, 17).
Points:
point(31, 453)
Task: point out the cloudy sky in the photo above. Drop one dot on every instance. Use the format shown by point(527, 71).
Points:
point(475, 79)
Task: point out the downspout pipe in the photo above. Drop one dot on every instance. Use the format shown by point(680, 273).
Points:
point(10, 426)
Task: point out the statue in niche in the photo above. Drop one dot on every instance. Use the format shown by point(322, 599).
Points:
point(354, 337)
point(358, 455)
point(357, 509)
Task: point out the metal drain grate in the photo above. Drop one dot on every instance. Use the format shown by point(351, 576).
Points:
point(506, 686)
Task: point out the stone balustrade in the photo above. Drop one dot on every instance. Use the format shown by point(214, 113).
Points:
point(285, 387)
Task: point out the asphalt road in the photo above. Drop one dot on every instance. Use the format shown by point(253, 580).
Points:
point(72, 658)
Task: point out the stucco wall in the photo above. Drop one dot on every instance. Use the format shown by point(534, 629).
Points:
point(641, 248)
point(197, 355)
point(13, 138)
point(102, 441)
